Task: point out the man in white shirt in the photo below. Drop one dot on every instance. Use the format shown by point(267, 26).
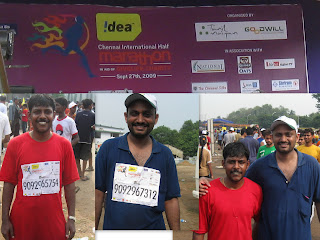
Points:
point(3, 107)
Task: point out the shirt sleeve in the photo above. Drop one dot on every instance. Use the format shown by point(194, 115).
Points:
point(74, 129)
point(7, 128)
point(173, 188)
point(10, 169)
point(204, 213)
point(258, 204)
point(70, 172)
point(101, 168)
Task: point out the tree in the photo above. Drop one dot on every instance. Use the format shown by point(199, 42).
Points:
point(317, 97)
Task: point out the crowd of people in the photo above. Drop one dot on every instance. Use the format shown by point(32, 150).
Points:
point(38, 163)
point(272, 176)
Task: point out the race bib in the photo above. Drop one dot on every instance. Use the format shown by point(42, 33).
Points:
point(41, 178)
point(136, 184)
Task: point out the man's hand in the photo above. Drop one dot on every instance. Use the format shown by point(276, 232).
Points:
point(70, 229)
point(7, 230)
point(204, 184)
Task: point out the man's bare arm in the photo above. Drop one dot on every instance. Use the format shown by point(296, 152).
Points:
point(99, 198)
point(7, 195)
point(210, 169)
point(173, 213)
point(75, 139)
point(70, 193)
point(197, 236)
point(6, 139)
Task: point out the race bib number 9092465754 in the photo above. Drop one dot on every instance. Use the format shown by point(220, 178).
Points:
point(136, 184)
point(41, 178)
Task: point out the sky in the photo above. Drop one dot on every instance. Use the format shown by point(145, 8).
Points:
point(214, 105)
point(173, 108)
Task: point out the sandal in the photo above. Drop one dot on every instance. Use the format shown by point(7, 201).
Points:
point(85, 178)
point(89, 169)
point(77, 189)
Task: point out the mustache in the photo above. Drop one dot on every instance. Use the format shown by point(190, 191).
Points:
point(235, 171)
point(140, 124)
point(279, 143)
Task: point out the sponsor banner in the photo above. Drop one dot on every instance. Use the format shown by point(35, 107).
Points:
point(244, 64)
point(240, 31)
point(285, 85)
point(250, 86)
point(90, 48)
point(210, 87)
point(279, 63)
point(207, 66)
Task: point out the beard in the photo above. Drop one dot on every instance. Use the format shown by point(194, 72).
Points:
point(138, 134)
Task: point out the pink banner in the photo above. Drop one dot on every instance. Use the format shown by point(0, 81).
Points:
point(82, 48)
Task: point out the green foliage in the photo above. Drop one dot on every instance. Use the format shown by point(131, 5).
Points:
point(261, 115)
point(186, 139)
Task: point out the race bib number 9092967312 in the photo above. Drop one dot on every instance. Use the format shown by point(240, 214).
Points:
point(41, 178)
point(136, 184)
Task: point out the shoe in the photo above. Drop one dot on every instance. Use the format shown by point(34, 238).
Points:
point(89, 169)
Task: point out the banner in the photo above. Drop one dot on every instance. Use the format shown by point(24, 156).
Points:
point(83, 48)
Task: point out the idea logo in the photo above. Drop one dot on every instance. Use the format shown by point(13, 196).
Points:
point(118, 26)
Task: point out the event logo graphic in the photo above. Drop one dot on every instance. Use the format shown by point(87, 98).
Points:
point(264, 30)
point(118, 26)
point(55, 33)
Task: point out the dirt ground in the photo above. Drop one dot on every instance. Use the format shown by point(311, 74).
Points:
point(218, 171)
point(84, 206)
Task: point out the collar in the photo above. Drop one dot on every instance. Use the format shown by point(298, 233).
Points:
point(123, 144)
point(273, 161)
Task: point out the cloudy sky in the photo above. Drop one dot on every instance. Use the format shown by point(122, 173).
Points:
point(213, 105)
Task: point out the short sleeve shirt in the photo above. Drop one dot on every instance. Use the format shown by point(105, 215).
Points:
point(286, 206)
point(119, 215)
point(84, 121)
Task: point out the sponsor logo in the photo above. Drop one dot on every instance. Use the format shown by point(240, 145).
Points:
point(241, 31)
point(244, 64)
point(118, 26)
point(279, 63)
point(132, 169)
point(210, 87)
point(264, 30)
point(285, 85)
point(249, 86)
point(207, 66)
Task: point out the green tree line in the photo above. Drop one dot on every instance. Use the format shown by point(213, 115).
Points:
point(186, 139)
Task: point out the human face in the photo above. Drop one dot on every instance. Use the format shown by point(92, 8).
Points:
point(284, 138)
point(141, 118)
point(308, 138)
point(59, 108)
point(41, 118)
point(268, 140)
point(301, 140)
point(235, 167)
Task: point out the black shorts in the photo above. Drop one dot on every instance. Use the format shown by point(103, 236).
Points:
point(82, 151)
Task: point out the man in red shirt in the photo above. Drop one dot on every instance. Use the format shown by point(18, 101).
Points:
point(24, 118)
point(225, 212)
point(39, 163)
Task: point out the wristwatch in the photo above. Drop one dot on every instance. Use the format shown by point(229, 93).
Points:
point(72, 218)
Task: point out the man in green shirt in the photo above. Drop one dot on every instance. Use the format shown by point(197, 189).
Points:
point(268, 147)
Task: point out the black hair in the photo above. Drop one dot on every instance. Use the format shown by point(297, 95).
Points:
point(62, 101)
point(3, 98)
point(249, 131)
point(266, 133)
point(243, 130)
point(41, 100)
point(86, 103)
point(308, 130)
point(235, 149)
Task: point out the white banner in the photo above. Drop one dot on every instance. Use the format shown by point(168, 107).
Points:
point(239, 31)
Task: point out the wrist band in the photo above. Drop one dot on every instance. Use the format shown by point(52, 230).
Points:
point(72, 218)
